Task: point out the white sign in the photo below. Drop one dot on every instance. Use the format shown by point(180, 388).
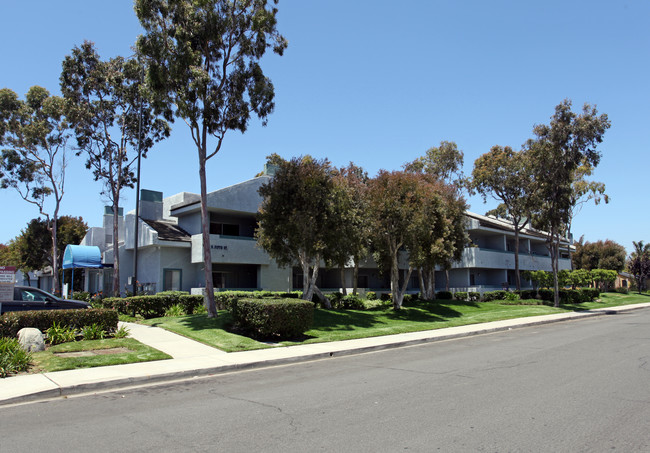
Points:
point(7, 280)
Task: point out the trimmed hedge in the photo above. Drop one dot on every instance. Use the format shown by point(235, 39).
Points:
point(155, 306)
point(474, 296)
point(445, 295)
point(461, 295)
point(489, 296)
point(12, 322)
point(273, 318)
point(152, 306)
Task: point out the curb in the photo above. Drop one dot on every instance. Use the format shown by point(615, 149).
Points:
point(152, 379)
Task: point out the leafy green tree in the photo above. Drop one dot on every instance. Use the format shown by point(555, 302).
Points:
point(439, 234)
point(33, 139)
point(570, 140)
point(603, 277)
point(444, 162)
point(583, 191)
point(506, 175)
point(112, 121)
point(579, 278)
point(599, 255)
point(31, 249)
point(297, 218)
point(204, 66)
point(351, 214)
point(639, 264)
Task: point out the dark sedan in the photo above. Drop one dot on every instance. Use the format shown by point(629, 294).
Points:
point(28, 298)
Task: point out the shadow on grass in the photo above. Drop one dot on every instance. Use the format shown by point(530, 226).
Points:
point(202, 322)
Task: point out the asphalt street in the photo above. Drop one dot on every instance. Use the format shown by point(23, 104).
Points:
point(571, 386)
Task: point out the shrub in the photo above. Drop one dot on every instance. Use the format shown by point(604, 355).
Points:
point(371, 295)
point(81, 295)
point(352, 302)
point(12, 322)
point(409, 298)
point(528, 294)
point(122, 332)
point(489, 296)
point(445, 295)
point(335, 299)
point(175, 310)
point(474, 296)
point(58, 334)
point(591, 293)
point(511, 296)
point(460, 295)
point(546, 294)
point(13, 358)
point(93, 332)
point(278, 318)
point(622, 290)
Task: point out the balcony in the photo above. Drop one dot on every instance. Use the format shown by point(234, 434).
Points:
point(475, 257)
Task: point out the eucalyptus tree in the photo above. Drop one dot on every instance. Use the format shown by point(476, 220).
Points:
point(583, 191)
point(204, 66)
point(298, 223)
point(444, 162)
point(558, 149)
point(506, 175)
point(113, 122)
point(33, 141)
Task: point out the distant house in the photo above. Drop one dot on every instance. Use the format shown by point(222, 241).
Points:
point(170, 249)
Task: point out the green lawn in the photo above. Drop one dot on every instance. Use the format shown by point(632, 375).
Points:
point(133, 351)
point(336, 325)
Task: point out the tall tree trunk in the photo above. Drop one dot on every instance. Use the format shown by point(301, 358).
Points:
point(344, 291)
point(355, 277)
point(205, 234)
point(394, 280)
point(431, 283)
point(56, 284)
point(517, 275)
point(446, 279)
point(116, 251)
point(423, 289)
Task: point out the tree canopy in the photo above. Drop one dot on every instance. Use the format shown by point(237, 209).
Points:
point(599, 255)
point(506, 175)
point(33, 137)
point(204, 67)
point(113, 122)
point(298, 221)
point(556, 152)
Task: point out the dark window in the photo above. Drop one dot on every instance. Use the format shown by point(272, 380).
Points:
point(172, 280)
point(227, 229)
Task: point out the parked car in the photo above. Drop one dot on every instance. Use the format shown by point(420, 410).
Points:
point(28, 298)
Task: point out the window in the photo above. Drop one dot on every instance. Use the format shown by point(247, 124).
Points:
point(219, 280)
point(227, 229)
point(172, 279)
point(362, 281)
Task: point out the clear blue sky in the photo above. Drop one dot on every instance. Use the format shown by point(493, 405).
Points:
point(379, 82)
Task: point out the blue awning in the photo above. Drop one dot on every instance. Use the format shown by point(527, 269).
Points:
point(76, 256)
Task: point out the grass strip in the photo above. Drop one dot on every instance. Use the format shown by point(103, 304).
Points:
point(337, 325)
point(50, 360)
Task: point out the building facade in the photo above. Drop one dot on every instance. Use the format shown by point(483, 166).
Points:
point(170, 255)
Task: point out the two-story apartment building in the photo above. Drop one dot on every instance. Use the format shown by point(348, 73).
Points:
point(170, 253)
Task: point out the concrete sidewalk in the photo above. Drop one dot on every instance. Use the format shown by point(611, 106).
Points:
point(193, 359)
